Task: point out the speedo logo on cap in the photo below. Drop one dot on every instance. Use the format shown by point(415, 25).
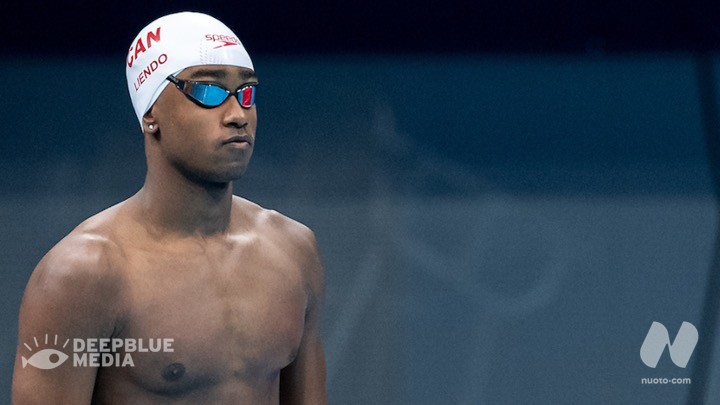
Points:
point(225, 40)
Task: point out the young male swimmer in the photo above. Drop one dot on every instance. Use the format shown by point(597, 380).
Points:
point(225, 297)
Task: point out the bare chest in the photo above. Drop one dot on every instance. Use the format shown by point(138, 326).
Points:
point(234, 316)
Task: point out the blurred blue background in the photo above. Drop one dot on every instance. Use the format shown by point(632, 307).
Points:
point(505, 196)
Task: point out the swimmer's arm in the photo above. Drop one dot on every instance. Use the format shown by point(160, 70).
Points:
point(303, 381)
point(68, 296)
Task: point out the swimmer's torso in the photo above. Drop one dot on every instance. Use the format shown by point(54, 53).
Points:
point(234, 307)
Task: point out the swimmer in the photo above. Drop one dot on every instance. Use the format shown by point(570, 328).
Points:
point(225, 296)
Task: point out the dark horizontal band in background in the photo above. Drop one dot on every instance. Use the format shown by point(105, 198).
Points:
point(324, 26)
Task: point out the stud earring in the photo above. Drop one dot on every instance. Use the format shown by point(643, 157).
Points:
point(151, 126)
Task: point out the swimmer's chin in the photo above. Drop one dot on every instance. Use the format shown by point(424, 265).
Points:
point(217, 178)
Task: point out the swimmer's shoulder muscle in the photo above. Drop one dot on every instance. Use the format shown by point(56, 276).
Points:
point(73, 292)
point(288, 235)
point(81, 270)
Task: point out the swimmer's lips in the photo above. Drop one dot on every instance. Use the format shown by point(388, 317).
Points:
point(239, 141)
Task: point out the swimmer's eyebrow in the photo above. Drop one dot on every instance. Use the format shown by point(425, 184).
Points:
point(208, 73)
point(247, 75)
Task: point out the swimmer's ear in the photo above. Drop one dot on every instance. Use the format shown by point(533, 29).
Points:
point(150, 125)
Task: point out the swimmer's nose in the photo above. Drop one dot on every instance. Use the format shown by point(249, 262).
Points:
point(235, 115)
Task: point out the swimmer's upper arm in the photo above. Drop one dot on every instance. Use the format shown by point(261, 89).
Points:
point(303, 381)
point(69, 295)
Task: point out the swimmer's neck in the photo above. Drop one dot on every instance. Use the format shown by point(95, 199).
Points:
point(173, 205)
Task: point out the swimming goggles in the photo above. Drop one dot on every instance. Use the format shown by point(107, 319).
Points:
point(211, 95)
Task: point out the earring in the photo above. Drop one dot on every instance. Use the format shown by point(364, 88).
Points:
point(151, 126)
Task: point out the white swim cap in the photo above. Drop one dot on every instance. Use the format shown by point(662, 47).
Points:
point(172, 43)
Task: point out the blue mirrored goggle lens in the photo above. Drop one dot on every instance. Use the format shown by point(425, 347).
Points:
point(207, 94)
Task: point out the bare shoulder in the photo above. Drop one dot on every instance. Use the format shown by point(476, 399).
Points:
point(86, 252)
point(78, 277)
point(279, 228)
point(72, 293)
point(286, 236)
